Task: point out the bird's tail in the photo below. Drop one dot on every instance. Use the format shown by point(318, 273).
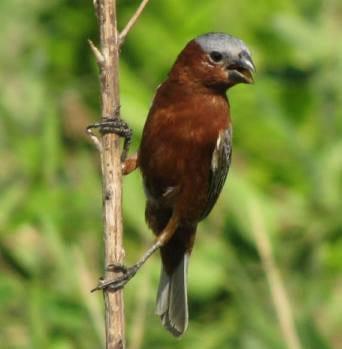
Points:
point(172, 298)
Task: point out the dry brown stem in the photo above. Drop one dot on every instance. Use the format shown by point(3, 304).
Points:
point(107, 57)
point(278, 292)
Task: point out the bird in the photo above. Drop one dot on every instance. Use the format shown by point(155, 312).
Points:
point(184, 157)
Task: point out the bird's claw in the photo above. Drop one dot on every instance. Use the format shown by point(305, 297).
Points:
point(117, 126)
point(117, 268)
point(120, 282)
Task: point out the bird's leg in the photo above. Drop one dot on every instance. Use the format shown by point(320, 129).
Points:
point(130, 164)
point(117, 126)
point(128, 273)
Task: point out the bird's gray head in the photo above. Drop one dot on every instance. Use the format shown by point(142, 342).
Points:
point(215, 60)
point(230, 53)
point(228, 46)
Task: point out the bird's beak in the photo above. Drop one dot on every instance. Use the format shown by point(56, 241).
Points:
point(246, 68)
point(242, 70)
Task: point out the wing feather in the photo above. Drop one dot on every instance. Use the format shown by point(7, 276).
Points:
point(220, 163)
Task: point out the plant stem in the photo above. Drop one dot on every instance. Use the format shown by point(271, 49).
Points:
point(107, 57)
point(108, 60)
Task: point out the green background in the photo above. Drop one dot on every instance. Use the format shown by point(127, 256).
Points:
point(286, 171)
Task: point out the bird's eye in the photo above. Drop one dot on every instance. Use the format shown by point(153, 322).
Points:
point(216, 56)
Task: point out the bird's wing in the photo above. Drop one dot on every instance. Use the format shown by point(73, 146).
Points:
point(220, 163)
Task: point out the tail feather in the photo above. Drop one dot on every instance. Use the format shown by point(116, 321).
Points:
point(172, 298)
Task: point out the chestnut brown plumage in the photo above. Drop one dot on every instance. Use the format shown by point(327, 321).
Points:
point(184, 158)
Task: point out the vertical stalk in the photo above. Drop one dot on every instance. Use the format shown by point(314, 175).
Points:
point(111, 170)
point(107, 57)
point(276, 283)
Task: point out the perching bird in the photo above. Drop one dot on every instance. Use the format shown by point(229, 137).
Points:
point(184, 158)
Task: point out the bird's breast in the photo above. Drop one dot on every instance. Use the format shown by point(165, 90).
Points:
point(178, 141)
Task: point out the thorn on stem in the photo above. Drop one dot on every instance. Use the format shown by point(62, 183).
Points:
point(95, 140)
point(97, 53)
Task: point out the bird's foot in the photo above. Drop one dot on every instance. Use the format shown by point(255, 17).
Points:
point(128, 273)
point(117, 268)
point(114, 125)
point(119, 282)
point(117, 126)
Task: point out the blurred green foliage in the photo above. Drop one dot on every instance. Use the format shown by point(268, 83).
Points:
point(287, 159)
